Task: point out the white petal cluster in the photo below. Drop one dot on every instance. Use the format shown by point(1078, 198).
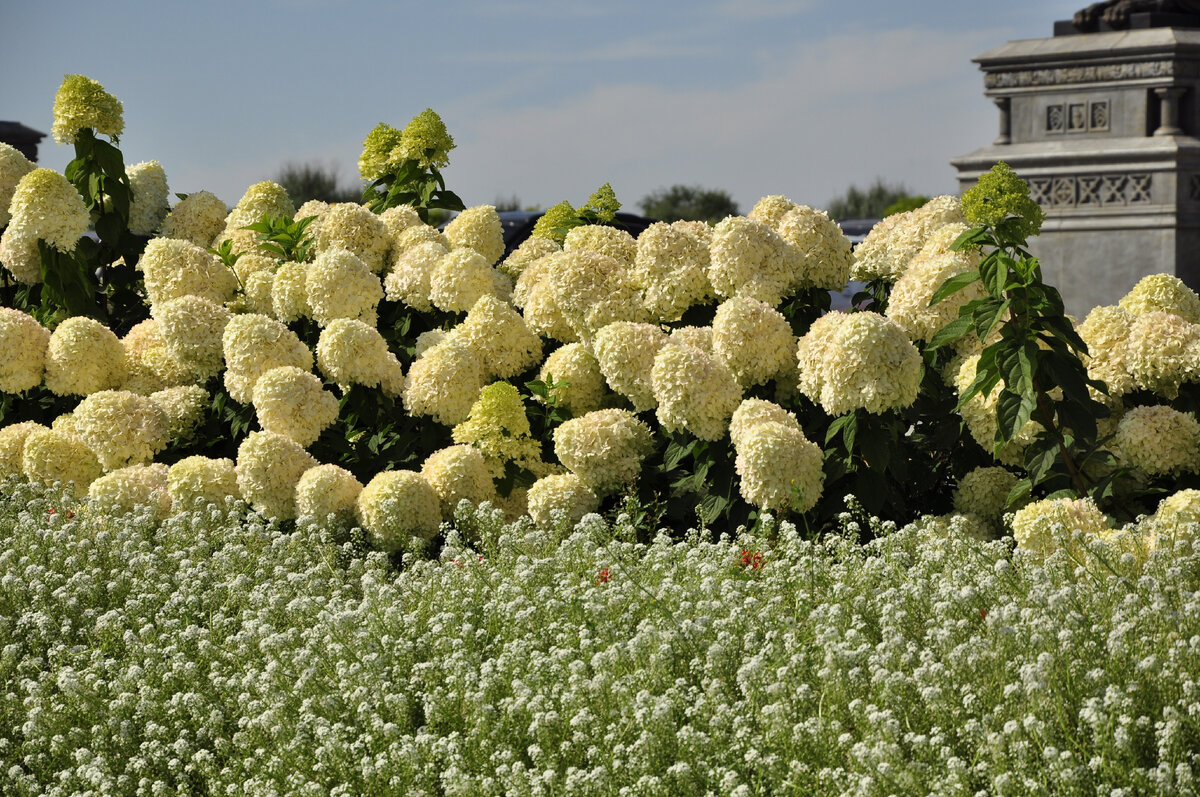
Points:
point(574, 366)
point(671, 269)
point(148, 364)
point(12, 446)
point(984, 492)
point(126, 489)
point(1159, 440)
point(458, 473)
point(357, 230)
point(1043, 527)
point(183, 408)
point(539, 304)
point(13, 166)
point(192, 328)
point(752, 412)
point(289, 292)
point(1105, 330)
point(1162, 293)
point(625, 352)
point(444, 383)
point(353, 353)
point(604, 448)
point(148, 207)
point(826, 254)
point(559, 501)
point(412, 270)
point(195, 482)
point(268, 467)
point(592, 290)
point(198, 219)
point(83, 356)
point(478, 228)
point(260, 200)
point(50, 456)
point(121, 428)
point(980, 416)
point(886, 251)
point(908, 303)
point(339, 285)
point(20, 255)
point(399, 219)
point(45, 206)
point(530, 250)
point(695, 391)
point(753, 339)
point(254, 344)
point(460, 277)
point(174, 267)
point(400, 510)
point(23, 343)
point(327, 492)
point(748, 258)
point(851, 361)
point(293, 402)
point(779, 468)
point(499, 337)
point(1163, 352)
point(611, 241)
point(418, 234)
point(698, 337)
point(770, 210)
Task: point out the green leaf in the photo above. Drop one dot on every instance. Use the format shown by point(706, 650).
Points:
point(1012, 412)
point(954, 285)
point(950, 332)
point(110, 160)
point(971, 239)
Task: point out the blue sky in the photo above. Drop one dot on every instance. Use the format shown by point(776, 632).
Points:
point(545, 100)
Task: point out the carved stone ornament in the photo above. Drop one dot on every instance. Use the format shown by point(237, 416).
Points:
point(1069, 75)
point(1115, 14)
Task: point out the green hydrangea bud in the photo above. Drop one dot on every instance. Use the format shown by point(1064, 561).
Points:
point(1001, 194)
point(603, 202)
point(554, 222)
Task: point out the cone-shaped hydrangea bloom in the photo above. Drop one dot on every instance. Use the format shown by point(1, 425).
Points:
point(696, 392)
point(53, 456)
point(23, 343)
point(83, 356)
point(294, 403)
point(183, 408)
point(612, 241)
point(399, 219)
point(748, 258)
point(753, 339)
point(399, 510)
point(82, 102)
point(377, 149)
point(478, 228)
point(984, 492)
point(1000, 194)
point(908, 304)
point(418, 234)
point(253, 345)
point(124, 490)
point(192, 330)
point(174, 267)
point(826, 254)
point(575, 371)
point(697, 337)
point(1159, 440)
point(12, 446)
point(408, 281)
point(671, 269)
point(593, 290)
point(980, 416)
point(556, 222)
point(456, 473)
point(499, 337)
point(327, 492)
point(195, 482)
point(459, 279)
point(530, 250)
point(256, 295)
point(625, 351)
point(315, 210)
point(1043, 527)
point(339, 285)
point(560, 501)
point(534, 295)
point(197, 219)
point(121, 428)
point(605, 448)
point(1165, 293)
point(499, 428)
point(268, 467)
point(260, 200)
point(357, 230)
point(886, 251)
point(148, 364)
point(148, 207)
point(444, 383)
point(779, 468)
point(289, 292)
point(770, 210)
point(353, 353)
point(45, 206)
point(19, 254)
point(427, 340)
point(1106, 333)
point(425, 140)
point(1163, 352)
point(751, 412)
point(257, 263)
point(851, 361)
point(13, 166)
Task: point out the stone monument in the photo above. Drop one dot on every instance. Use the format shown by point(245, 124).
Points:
point(1103, 126)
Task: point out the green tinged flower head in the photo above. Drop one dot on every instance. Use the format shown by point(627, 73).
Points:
point(603, 202)
point(1001, 194)
point(499, 427)
point(81, 103)
point(377, 148)
point(425, 140)
point(554, 222)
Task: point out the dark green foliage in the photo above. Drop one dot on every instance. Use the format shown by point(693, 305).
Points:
point(306, 181)
point(688, 203)
point(873, 203)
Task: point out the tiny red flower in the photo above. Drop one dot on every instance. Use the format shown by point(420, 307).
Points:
point(753, 559)
point(982, 613)
point(603, 576)
point(70, 515)
point(52, 511)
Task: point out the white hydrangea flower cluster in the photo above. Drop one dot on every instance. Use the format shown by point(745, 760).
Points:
point(560, 500)
point(1045, 526)
point(604, 448)
point(174, 267)
point(13, 166)
point(575, 367)
point(340, 285)
point(779, 468)
point(121, 428)
point(355, 229)
point(529, 250)
point(23, 344)
point(611, 241)
point(851, 361)
point(753, 339)
point(908, 303)
point(592, 290)
point(400, 510)
point(458, 473)
point(262, 199)
point(695, 391)
point(293, 402)
point(195, 482)
point(698, 337)
point(478, 228)
point(327, 493)
point(82, 357)
point(148, 207)
point(499, 337)
point(192, 328)
point(269, 465)
point(49, 456)
point(1105, 330)
point(1159, 440)
point(21, 256)
point(81, 102)
point(399, 219)
point(748, 258)
point(536, 298)
point(1164, 293)
point(199, 219)
point(46, 207)
point(148, 364)
point(183, 407)
point(123, 491)
point(892, 243)
point(1162, 352)
point(459, 279)
point(625, 352)
point(444, 383)
point(983, 492)
point(289, 291)
point(980, 416)
point(671, 268)
point(353, 353)
point(409, 279)
point(827, 255)
point(254, 344)
point(12, 446)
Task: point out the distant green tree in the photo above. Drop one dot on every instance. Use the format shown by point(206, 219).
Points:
point(906, 204)
point(502, 204)
point(305, 181)
point(873, 203)
point(688, 203)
